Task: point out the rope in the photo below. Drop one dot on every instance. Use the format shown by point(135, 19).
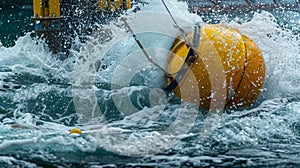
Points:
point(191, 57)
point(140, 44)
point(178, 27)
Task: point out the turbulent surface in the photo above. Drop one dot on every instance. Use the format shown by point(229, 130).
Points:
point(42, 98)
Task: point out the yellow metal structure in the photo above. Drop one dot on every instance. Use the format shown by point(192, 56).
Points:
point(220, 50)
point(118, 3)
point(46, 9)
point(108, 4)
point(128, 4)
point(102, 4)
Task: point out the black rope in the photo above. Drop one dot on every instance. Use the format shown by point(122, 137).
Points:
point(139, 43)
point(187, 62)
point(190, 58)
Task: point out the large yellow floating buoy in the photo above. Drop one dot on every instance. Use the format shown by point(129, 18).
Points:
point(220, 52)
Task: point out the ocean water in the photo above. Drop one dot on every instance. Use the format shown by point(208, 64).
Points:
point(108, 89)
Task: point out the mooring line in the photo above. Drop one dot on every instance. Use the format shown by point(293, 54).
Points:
point(139, 43)
point(177, 26)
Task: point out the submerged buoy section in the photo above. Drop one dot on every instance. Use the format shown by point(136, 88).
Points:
point(223, 60)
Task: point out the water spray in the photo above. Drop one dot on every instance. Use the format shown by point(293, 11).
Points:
point(139, 42)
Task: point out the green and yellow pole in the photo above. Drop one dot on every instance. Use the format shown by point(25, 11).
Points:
point(46, 14)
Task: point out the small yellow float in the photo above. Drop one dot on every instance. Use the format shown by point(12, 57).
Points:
point(241, 60)
point(76, 131)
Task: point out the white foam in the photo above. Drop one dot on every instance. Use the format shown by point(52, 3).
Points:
point(9, 143)
point(11, 161)
point(282, 71)
point(281, 51)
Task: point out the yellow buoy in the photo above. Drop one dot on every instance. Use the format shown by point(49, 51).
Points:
point(221, 53)
point(76, 131)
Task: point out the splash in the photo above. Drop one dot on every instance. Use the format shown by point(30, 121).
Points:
point(37, 93)
point(281, 51)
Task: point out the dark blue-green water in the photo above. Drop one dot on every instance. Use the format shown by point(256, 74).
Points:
point(15, 22)
point(126, 118)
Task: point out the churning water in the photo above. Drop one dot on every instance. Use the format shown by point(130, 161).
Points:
point(113, 93)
